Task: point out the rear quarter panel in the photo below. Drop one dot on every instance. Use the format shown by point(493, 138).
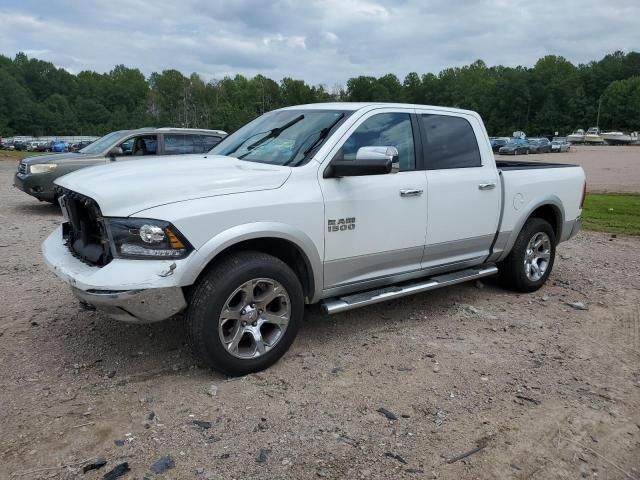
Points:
point(525, 190)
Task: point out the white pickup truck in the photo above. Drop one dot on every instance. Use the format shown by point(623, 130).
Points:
point(347, 204)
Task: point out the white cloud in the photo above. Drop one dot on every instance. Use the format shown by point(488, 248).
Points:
point(320, 41)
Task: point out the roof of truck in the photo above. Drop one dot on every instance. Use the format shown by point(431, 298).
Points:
point(353, 106)
point(178, 130)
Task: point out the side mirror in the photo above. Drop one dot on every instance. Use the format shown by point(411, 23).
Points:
point(115, 152)
point(386, 153)
point(368, 161)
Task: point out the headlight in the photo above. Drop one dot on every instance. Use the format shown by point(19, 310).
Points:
point(142, 238)
point(42, 167)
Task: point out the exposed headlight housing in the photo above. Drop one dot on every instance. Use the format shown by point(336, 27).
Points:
point(144, 238)
point(42, 167)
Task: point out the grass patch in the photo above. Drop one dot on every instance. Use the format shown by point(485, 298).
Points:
point(612, 212)
point(16, 155)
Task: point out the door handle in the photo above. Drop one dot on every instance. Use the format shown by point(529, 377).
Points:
point(486, 186)
point(410, 192)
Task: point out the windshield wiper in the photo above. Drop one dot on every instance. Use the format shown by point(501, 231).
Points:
point(275, 132)
point(323, 134)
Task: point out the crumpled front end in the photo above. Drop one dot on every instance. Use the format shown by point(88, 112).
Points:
point(80, 253)
point(127, 290)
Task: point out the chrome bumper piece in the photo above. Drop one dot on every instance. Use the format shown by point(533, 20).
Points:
point(135, 306)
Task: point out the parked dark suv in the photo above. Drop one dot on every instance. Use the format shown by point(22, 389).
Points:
point(36, 174)
point(539, 145)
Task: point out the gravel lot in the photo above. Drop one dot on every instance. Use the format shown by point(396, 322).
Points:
point(608, 168)
point(548, 390)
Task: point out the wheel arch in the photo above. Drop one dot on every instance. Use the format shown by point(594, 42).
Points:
point(553, 214)
point(549, 209)
point(288, 244)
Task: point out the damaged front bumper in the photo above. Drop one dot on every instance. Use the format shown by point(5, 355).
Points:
point(135, 306)
point(138, 291)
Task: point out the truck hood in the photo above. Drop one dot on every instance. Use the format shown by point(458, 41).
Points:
point(54, 158)
point(127, 187)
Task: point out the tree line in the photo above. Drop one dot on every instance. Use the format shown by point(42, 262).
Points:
point(36, 98)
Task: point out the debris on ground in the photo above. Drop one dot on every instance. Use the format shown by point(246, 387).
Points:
point(467, 454)
point(117, 472)
point(262, 455)
point(95, 465)
point(395, 456)
point(577, 305)
point(162, 465)
point(202, 424)
point(387, 413)
point(212, 390)
point(528, 399)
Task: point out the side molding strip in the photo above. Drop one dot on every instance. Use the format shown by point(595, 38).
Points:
point(357, 300)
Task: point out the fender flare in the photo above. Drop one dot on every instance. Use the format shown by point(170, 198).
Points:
point(249, 231)
point(552, 200)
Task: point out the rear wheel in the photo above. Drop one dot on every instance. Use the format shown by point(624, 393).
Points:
point(245, 313)
point(531, 259)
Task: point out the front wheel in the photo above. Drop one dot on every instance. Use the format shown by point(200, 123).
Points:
point(245, 313)
point(531, 260)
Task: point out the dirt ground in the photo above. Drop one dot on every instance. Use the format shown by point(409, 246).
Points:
point(608, 168)
point(397, 390)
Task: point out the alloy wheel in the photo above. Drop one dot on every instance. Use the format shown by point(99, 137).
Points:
point(254, 318)
point(537, 256)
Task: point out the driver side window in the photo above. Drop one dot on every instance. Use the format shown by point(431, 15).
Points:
point(139, 146)
point(383, 130)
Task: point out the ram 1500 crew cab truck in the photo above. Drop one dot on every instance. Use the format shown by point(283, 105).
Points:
point(347, 204)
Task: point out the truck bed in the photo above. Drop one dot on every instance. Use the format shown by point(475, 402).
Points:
point(528, 185)
point(517, 165)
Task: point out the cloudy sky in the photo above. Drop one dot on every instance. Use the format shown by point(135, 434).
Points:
point(324, 41)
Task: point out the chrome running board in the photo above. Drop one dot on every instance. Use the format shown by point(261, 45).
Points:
point(357, 300)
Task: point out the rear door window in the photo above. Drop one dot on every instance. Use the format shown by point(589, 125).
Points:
point(210, 141)
point(180, 144)
point(449, 142)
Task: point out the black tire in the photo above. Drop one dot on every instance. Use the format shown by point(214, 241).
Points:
point(512, 269)
point(212, 292)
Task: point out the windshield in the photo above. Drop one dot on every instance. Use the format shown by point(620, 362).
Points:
point(283, 137)
point(100, 145)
